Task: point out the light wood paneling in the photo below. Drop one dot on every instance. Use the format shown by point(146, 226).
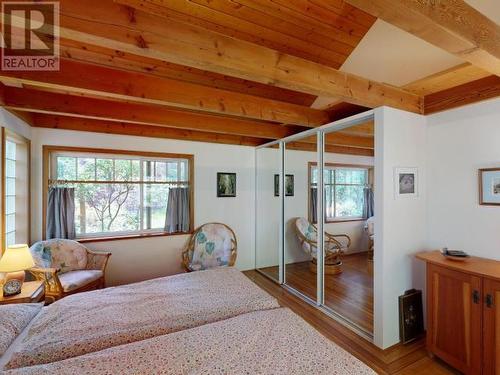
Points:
point(85, 79)
point(147, 35)
point(59, 104)
point(447, 79)
point(468, 93)
point(111, 127)
point(88, 53)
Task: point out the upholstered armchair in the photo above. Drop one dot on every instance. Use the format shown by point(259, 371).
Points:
point(67, 267)
point(211, 245)
point(335, 245)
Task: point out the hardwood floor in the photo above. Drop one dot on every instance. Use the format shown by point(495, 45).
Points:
point(350, 293)
point(410, 359)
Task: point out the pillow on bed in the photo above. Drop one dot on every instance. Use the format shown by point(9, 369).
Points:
point(13, 319)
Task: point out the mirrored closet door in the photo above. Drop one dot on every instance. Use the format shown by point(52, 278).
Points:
point(268, 211)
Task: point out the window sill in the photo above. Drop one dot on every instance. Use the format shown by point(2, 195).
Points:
point(131, 237)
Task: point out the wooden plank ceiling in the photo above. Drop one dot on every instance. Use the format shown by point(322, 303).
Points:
point(225, 71)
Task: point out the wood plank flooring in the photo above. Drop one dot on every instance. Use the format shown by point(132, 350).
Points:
point(350, 293)
point(410, 359)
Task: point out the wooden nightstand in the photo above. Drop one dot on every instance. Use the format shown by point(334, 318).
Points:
point(33, 291)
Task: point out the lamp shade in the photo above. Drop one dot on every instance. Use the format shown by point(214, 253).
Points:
point(16, 258)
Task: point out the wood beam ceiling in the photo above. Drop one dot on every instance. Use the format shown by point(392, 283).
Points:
point(124, 128)
point(446, 79)
point(482, 89)
point(122, 28)
point(85, 79)
point(452, 25)
point(113, 58)
point(75, 106)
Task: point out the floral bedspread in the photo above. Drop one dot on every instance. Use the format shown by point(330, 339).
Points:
point(263, 342)
point(92, 321)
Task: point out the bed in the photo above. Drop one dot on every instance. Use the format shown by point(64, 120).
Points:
point(265, 342)
point(93, 321)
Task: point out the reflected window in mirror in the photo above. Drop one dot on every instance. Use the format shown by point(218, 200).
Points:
point(344, 191)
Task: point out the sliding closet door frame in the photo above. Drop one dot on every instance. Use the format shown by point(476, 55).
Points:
point(320, 134)
point(282, 239)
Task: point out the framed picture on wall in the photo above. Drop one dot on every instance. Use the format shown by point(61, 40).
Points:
point(226, 185)
point(406, 182)
point(289, 185)
point(489, 187)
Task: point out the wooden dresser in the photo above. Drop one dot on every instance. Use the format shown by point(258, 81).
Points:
point(463, 312)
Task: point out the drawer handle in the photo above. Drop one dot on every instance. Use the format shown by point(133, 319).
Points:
point(489, 301)
point(475, 297)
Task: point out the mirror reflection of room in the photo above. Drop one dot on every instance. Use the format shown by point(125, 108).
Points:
point(268, 162)
point(348, 180)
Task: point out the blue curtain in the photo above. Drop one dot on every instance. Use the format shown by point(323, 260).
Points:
point(178, 210)
point(61, 213)
point(369, 203)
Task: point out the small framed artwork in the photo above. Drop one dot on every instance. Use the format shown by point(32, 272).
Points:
point(289, 185)
point(489, 187)
point(226, 185)
point(406, 182)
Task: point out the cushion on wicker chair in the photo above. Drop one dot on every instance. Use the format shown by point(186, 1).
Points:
point(212, 247)
point(66, 255)
point(76, 279)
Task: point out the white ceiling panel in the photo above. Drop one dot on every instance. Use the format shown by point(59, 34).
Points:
point(391, 55)
point(490, 8)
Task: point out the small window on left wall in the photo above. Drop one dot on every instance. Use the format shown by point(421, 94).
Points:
point(15, 189)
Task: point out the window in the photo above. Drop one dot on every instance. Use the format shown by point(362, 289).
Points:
point(344, 190)
point(16, 195)
point(119, 194)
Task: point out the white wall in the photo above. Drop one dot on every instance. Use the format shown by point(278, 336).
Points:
point(459, 142)
point(400, 231)
point(14, 123)
point(140, 259)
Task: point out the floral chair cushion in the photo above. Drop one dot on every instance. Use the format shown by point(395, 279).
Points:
point(309, 232)
point(212, 247)
point(66, 255)
point(76, 279)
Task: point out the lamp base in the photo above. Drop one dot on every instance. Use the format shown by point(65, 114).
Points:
point(13, 283)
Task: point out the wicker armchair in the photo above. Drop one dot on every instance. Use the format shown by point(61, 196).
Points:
point(335, 245)
point(211, 245)
point(67, 267)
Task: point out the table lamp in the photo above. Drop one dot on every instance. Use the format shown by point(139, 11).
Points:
point(14, 261)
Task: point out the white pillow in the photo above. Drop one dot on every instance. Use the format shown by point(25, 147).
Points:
point(13, 319)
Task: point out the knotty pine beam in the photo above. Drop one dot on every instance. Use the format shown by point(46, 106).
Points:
point(93, 80)
point(129, 30)
point(482, 89)
point(75, 106)
point(123, 128)
point(452, 25)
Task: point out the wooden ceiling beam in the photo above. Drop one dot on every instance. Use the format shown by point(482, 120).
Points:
point(446, 79)
point(75, 106)
point(124, 128)
point(93, 80)
point(304, 146)
point(452, 25)
point(468, 93)
point(136, 32)
point(88, 53)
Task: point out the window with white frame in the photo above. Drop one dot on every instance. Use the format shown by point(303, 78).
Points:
point(344, 190)
point(16, 176)
point(119, 194)
point(10, 192)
